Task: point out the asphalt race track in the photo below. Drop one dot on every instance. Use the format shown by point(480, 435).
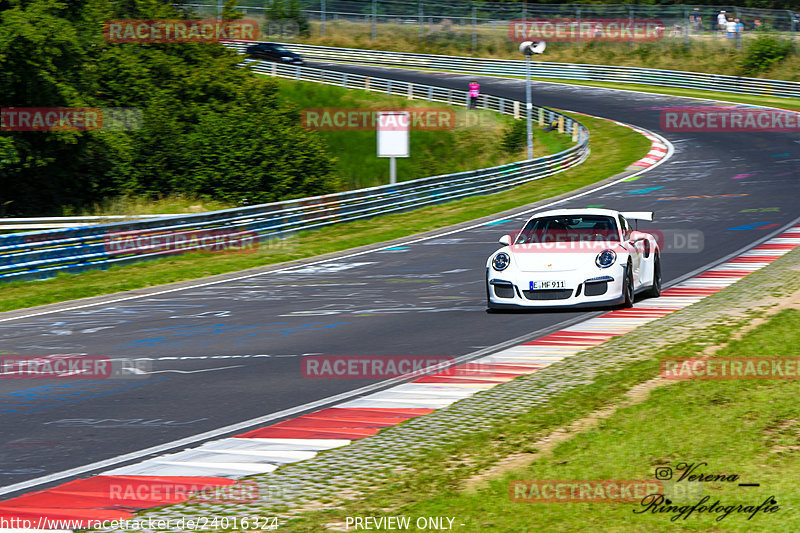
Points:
point(230, 352)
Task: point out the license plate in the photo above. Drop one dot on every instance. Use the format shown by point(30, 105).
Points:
point(537, 285)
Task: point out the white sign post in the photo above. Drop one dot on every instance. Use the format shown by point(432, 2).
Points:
point(529, 48)
point(393, 128)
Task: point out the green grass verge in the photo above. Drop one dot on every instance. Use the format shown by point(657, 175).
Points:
point(137, 205)
point(748, 427)
point(613, 149)
point(743, 427)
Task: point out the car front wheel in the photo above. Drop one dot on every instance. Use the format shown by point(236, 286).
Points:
point(627, 288)
point(655, 290)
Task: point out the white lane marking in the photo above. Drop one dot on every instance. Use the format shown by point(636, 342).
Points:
point(193, 357)
point(134, 370)
point(277, 443)
point(327, 268)
point(192, 469)
point(221, 455)
point(398, 404)
point(206, 314)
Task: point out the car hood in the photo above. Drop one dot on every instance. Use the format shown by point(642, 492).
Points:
point(549, 258)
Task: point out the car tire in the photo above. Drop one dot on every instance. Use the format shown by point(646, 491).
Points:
point(627, 288)
point(655, 290)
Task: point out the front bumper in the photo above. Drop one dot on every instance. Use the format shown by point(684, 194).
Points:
point(512, 290)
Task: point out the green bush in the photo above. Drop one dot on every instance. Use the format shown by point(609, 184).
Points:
point(644, 52)
point(282, 11)
point(210, 129)
point(763, 53)
point(515, 136)
point(439, 41)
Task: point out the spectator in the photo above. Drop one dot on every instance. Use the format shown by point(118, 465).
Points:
point(756, 24)
point(739, 27)
point(695, 21)
point(722, 21)
point(730, 27)
point(474, 92)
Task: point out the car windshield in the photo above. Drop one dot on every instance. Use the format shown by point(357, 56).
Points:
point(562, 228)
point(278, 48)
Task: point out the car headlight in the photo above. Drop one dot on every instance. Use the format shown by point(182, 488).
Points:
point(605, 258)
point(501, 261)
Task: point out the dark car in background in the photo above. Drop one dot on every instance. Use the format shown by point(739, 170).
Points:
point(274, 52)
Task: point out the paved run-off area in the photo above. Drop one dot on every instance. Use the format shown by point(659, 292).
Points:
point(341, 474)
point(340, 453)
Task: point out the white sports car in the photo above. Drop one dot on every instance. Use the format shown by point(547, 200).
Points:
point(574, 258)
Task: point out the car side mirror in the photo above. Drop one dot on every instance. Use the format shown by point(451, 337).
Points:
point(505, 240)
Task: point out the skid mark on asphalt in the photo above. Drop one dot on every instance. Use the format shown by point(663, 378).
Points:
point(327, 268)
point(37, 398)
point(646, 190)
point(185, 335)
point(757, 225)
point(142, 423)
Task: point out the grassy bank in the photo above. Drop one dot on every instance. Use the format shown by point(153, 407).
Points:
point(613, 149)
point(621, 422)
point(475, 141)
point(707, 53)
point(136, 205)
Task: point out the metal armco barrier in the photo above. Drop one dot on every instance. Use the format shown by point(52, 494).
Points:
point(44, 254)
point(64, 222)
point(566, 71)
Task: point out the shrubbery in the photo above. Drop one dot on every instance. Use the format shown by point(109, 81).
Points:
point(281, 11)
point(762, 53)
point(210, 128)
point(515, 136)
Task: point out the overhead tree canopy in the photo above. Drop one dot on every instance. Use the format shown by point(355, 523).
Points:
point(209, 127)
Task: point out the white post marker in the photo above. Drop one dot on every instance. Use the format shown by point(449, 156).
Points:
point(393, 128)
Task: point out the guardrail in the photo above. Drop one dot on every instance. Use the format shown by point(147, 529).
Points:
point(43, 254)
point(65, 222)
point(566, 71)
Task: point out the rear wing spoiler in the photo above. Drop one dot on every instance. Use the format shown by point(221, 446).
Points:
point(638, 215)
